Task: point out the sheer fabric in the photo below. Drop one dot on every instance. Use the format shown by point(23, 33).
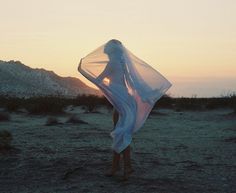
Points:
point(131, 85)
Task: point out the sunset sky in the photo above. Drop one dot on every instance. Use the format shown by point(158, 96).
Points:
point(191, 42)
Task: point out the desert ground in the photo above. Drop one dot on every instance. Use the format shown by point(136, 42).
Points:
point(174, 152)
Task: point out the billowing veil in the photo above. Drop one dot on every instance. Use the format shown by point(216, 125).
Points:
point(130, 84)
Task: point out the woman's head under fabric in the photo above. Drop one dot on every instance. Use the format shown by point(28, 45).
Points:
point(130, 84)
point(113, 48)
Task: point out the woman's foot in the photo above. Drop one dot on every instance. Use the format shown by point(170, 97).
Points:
point(127, 163)
point(127, 173)
point(111, 173)
point(115, 165)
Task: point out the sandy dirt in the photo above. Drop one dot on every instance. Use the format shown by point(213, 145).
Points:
point(174, 152)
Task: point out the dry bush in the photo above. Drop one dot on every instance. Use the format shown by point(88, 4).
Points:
point(52, 121)
point(4, 117)
point(91, 102)
point(5, 141)
point(45, 105)
point(74, 119)
point(234, 103)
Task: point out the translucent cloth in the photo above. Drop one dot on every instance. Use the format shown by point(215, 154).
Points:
point(130, 84)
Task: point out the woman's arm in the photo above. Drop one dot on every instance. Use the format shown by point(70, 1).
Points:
point(105, 73)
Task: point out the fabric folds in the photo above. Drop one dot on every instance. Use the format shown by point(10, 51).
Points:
point(131, 85)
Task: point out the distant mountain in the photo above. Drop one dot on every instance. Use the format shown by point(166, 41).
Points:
point(17, 79)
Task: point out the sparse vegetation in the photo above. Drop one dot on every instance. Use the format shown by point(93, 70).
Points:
point(91, 102)
point(52, 121)
point(230, 139)
point(181, 104)
point(233, 97)
point(45, 105)
point(5, 141)
point(56, 105)
point(4, 117)
point(74, 119)
point(10, 104)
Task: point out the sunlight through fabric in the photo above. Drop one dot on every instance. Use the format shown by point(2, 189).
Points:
point(131, 86)
point(106, 81)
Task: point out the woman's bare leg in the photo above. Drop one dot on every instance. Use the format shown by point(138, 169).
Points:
point(115, 164)
point(116, 156)
point(127, 163)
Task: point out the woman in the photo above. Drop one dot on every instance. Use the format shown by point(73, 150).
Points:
point(114, 73)
point(132, 87)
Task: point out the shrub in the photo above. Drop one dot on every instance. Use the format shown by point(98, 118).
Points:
point(233, 102)
point(91, 102)
point(45, 105)
point(51, 121)
point(164, 102)
point(5, 140)
point(187, 104)
point(75, 119)
point(12, 105)
point(4, 117)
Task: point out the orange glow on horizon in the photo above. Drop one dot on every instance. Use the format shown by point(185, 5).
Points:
point(186, 39)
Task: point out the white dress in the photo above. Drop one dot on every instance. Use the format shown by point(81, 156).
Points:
point(130, 84)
